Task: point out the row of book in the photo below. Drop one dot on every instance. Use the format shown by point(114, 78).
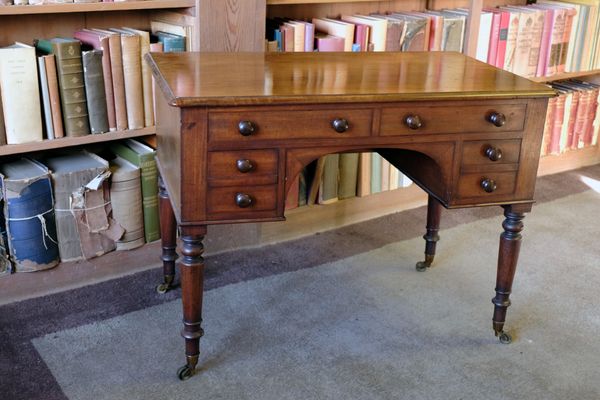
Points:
point(77, 205)
point(95, 82)
point(573, 117)
point(536, 40)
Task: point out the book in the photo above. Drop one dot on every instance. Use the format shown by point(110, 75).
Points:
point(69, 67)
point(328, 189)
point(100, 41)
point(94, 91)
point(54, 94)
point(70, 174)
point(148, 93)
point(143, 156)
point(376, 161)
point(126, 199)
point(524, 39)
point(180, 29)
point(396, 31)
point(325, 42)
point(378, 29)
point(132, 74)
point(494, 36)
point(171, 42)
point(348, 171)
point(453, 31)
point(337, 28)
point(416, 36)
point(46, 111)
point(483, 37)
point(363, 185)
point(29, 214)
point(511, 38)
point(20, 94)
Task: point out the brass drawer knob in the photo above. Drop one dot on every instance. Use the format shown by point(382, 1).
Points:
point(413, 121)
point(246, 128)
point(243, 200)
point(340, 125)
point(244, 165)
point(488, 185)
point(497, 118)
point(493, 153)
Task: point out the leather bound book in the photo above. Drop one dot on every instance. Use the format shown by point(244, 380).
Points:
point(132, 75)
point(20, 94)
point(70, 173)
point(126, 199)
point(29, 214)
point(100, 41)
point(54, 94)
point(94, 90)
point(146, 75)
point(118, 80)
point(144, 157)
point(70, 81)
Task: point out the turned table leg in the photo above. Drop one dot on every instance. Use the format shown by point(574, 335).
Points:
point(192, 285)
point(508, 255)
point(434, 214)
point(168, 235)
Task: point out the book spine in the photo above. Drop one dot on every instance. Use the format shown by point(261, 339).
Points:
point(146, 81)
point(108, 84)
point(363, 186)
point(502, 37)
point(126, 199)
point(30, 224)
point(572, 119)
point(536, 42)
point(348, 175)
point(557, 124)
point(328, 192)
point(94, 91)
point(118, 81)
point(54, 93)
point(46, 112)
point(548, 126)
point(132, 75)
point(72, 90)
point(375, 173)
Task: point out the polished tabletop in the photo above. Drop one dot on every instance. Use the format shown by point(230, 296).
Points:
point(215, 79)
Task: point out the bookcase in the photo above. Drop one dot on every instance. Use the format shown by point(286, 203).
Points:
point(239, 25)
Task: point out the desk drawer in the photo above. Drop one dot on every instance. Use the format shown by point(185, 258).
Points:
point(254, 199)
point(285, 124)
point(471, 186)
point(491, 152)
point(229, 168)
point(453, 119)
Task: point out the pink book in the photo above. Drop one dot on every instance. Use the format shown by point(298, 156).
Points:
point(546, 40)
point(361, 36)
point(557, 124)
point(100, 42)
point(502, 36)
point(324, 42)
point(309, 36)
point(548, 126)
point(495, 32)
point(562, 59)
point(572, 118)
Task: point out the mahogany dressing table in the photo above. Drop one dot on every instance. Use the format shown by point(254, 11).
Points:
point(234, 130)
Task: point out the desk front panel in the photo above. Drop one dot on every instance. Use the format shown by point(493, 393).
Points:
point(449, 163)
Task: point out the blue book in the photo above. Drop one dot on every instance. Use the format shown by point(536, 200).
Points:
point(171, 42)
point(29, 213)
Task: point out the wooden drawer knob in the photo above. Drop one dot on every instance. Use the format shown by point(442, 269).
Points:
point(246, 128)
point(493, 153)
point(243, 200)
point(413, 121)
point(340, 125)
point(244, 165)
point(497, 118)
point(488, 185)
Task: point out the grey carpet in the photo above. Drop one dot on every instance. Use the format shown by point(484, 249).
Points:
point(369, 326)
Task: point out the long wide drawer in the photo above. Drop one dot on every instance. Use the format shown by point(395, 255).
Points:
point(411, 120)
point(289, 124)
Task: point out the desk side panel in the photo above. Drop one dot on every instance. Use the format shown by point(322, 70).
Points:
point(168, 125)
point(194, 136)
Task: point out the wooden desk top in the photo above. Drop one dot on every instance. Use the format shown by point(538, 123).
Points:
point(227, 79)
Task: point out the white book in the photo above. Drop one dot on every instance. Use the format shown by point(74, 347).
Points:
point(46, 98)
point(483, 39)
point(20, 94)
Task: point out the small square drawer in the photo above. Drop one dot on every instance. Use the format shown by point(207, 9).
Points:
point(486, 185)
point(488, 152)
point(454, 119)
point(241, 201)
point(286, 124)
point(227, 168)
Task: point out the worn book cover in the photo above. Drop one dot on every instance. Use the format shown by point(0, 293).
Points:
point(70, 173)
point(54, 95)
point(146, 75)
point(94, 91)
point(29, 213)
point(126, 199)
point(144, 157)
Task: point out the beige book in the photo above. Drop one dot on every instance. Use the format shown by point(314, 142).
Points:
point(299, 30)
point(20, 94)
point(54, 93)
point(337, 28)
point(146, 75)
point(132, 73)
point(118, 79)
point(511, 39)
point(378, 29)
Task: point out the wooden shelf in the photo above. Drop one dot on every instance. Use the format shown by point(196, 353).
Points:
point(566, 75)
point(280, 2)
point(93, 7)
point(74, 141)
point(572, 159)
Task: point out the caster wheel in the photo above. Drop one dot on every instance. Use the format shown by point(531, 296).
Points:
point(184, 373)
point(162, 288)
point(422, 266)
point(505, 338)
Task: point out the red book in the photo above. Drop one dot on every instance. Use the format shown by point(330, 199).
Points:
point(581, 119)
point(557, 123)
point(572, 117)
point(562, 58)
point(591, 115)
point(494, 35)
point(546, 40)
point(502, 36)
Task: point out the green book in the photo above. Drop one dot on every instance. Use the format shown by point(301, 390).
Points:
point(143, 156)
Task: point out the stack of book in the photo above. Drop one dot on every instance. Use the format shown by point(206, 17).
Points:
point(573, 118)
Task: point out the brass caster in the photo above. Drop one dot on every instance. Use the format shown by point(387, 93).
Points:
point(422, 266)
point(163, 288)
point(504, 338)
point(186, 372)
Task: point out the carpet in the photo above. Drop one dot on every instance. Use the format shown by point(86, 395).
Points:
point(363, 324)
